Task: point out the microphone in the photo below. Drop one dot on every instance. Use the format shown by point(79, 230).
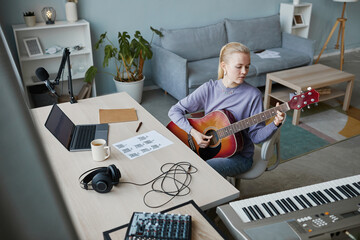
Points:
point(43, 75)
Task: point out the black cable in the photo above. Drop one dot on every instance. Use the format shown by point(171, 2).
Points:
point(171, 174)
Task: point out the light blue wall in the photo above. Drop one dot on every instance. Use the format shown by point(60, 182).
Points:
point(125, 15)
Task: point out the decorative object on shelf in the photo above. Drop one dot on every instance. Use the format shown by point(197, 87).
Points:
point(296, 2)
point(30, 19)
point(33, 47)
point(342, 21)
point(299, 20)
point(71, 11)
point(129, 58)
point(49, 15)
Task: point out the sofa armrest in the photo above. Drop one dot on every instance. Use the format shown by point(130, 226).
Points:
point(299, 44)
point(169, 72)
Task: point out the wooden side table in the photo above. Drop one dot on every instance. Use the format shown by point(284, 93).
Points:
point(314, 76)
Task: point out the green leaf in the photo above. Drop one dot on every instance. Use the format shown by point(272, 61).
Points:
point(90, 74)
point(157, 32)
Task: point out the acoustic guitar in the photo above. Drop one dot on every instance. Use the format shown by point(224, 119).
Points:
point(226, 132)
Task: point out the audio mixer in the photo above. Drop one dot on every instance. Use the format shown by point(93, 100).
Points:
point(145, 225)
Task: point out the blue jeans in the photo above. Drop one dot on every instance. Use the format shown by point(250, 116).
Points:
point(232, 166)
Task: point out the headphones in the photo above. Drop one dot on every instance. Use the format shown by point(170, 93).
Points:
point(102, 178)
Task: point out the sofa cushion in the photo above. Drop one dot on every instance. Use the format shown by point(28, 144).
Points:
point(203, 70)
point(288, 59)
point(195, 43)
point(257, 33)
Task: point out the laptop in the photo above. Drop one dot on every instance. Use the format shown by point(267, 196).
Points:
point(74, 137)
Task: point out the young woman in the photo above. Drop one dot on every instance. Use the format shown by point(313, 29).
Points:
point(232, 93)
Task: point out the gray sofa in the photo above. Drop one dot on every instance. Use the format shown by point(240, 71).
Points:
point(186, 58)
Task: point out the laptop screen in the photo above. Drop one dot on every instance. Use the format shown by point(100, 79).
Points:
point(60, 126)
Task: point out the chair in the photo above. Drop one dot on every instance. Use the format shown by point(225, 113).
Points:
point(262, 155)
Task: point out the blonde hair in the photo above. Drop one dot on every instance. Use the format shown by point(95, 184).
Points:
point(226, 51)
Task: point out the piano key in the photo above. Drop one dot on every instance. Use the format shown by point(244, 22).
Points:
point(289, 197)
point(267, 209)
point(292, 204)
point(318, 198)
point(348, 190)
point(336, 193)
point(259, 211)
point(306, 200)
point(319, 189)
point(356, 185)
point(287, 205)
point(304, 197)
point(259, 203)
point(248, 214)
point(281, 206)
point(343, 192)
point(273, 208)
point(321, 194)
point(300, 202)
point(353, 189)
point(253, 212)
point(331, 195)
point(313, 198)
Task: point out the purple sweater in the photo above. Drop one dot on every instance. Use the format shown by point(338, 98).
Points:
point(242, 101)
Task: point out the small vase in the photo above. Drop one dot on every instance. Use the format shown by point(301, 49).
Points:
point(71, 12)
point(30, 21)
point(296, 2)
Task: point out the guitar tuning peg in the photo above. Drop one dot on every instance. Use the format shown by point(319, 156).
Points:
point(308, 107)
point(302, 110)
point(316, 104)
point(309, 88)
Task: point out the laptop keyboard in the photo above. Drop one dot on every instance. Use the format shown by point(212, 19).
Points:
point(85, 134)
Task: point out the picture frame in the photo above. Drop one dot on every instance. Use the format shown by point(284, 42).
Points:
point(298, 20)
point(33, 47)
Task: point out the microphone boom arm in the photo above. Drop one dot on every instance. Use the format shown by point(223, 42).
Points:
point(66, 58)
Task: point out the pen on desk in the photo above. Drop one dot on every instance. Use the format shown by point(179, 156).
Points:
point(139, 127)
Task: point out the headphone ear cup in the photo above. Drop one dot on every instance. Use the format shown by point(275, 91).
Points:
point(88, 178)
point(115, 174)
point(102, 182)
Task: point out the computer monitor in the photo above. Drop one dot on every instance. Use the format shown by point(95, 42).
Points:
point(31, 205)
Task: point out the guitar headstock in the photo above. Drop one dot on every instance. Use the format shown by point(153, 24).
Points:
point(304, 99)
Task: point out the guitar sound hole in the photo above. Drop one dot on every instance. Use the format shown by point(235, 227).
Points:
point(215, 139)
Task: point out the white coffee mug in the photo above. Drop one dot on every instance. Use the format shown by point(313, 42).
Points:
point(99, 150)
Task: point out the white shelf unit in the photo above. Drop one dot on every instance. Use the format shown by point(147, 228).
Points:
point(287, 12)
point(62, 34)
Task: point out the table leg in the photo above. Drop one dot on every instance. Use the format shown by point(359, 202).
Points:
point(296, 117)
point(267, 92)
point(348, 93)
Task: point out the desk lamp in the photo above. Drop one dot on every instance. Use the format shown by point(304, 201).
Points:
point(342, 21)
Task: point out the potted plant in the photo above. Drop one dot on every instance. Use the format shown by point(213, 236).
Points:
point(129, 56)
point(30, 19)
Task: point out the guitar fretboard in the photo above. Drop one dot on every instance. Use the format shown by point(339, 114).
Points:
point(247, 122)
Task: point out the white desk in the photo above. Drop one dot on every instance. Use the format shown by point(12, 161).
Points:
point(93, 213)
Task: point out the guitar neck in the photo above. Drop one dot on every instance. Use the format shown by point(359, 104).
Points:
point(248, 122)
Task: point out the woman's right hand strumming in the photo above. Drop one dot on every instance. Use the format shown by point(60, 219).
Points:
point(202, 140)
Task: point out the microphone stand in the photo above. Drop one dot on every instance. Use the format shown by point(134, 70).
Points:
point(66, 58)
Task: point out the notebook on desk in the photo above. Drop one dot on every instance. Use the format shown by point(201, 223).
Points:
point(74, 137)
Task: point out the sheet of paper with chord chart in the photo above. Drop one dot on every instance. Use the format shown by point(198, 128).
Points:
point(142, 144)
